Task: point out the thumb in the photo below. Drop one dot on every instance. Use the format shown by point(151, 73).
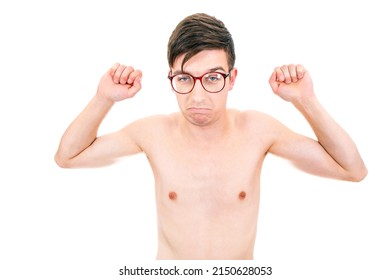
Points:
point(136, 87)
point(273, 82)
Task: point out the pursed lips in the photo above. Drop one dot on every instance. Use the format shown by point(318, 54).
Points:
point(198, 110)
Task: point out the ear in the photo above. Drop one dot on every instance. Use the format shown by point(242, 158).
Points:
point(170, 85)
point(232, 78)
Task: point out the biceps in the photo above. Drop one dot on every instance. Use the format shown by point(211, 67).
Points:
point(105, 150)
point(306, 154)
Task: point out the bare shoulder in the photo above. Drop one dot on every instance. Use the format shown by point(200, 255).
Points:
point(259, 130)
point(255, 121)
point(143, 132)
point(150, 125)
point(154, 121)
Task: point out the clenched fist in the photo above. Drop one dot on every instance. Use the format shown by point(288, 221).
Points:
point(292, 83)
point(119, 83)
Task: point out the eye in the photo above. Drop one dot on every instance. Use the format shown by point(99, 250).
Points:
point(213, 77)
point(183, 78)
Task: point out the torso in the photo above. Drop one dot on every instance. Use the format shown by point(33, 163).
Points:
point(207, 195)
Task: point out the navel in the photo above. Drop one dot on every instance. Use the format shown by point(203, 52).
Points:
point(172, 196)
point(242, 195)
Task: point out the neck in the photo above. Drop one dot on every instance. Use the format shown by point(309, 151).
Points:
point(207, 133)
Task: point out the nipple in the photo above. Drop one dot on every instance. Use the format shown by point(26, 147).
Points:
point(172, 196)
point(242, 195)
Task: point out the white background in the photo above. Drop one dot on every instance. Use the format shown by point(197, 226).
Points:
point(89, 223)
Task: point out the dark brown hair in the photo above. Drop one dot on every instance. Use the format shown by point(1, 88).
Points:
point(200, 32)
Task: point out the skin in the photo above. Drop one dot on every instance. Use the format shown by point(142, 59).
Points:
point(207, 160)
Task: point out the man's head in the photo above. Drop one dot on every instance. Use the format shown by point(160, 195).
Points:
point(201, 59)
point(197, 33)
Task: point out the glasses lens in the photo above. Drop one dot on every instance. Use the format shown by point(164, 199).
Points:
point(213, 82)
point(183, 83)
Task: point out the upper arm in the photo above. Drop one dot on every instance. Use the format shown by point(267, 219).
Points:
point(305, 153)
point(108, 148)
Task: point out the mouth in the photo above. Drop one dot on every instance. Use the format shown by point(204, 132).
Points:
point(198, 110)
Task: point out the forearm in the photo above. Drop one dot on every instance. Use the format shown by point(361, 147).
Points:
point(333, 138)
point(83, 130)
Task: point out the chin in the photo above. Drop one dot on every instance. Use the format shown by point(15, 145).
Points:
point(199, 119)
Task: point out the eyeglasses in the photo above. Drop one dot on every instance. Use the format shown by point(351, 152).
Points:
point(212, 82)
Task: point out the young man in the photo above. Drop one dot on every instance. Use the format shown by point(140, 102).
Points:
point(207, 159)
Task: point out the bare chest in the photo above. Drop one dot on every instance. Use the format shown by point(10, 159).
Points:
point(217, 174)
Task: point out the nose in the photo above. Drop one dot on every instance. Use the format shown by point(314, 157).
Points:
point(198, 92)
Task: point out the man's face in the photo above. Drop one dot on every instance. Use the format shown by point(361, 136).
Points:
point(199, 106)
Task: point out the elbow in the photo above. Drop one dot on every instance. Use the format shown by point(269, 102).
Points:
point(61, 162)
point(358, 176)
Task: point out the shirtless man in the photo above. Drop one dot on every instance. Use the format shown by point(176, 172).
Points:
point(207, 159)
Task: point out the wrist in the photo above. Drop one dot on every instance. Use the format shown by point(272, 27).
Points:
point(306, 104)
point(103, 101)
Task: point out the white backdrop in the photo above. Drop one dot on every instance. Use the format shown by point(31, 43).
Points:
point(89, 223)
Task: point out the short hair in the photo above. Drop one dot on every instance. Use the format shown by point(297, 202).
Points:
point(199, 32)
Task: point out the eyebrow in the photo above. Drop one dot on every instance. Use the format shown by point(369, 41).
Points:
point(207, 71)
